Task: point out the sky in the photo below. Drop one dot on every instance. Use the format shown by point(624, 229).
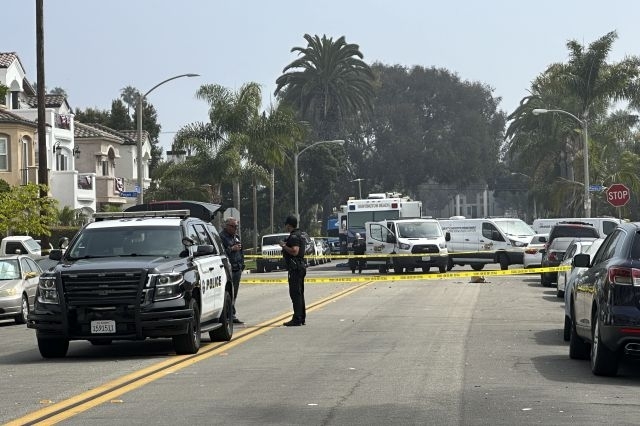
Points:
point(93, 49)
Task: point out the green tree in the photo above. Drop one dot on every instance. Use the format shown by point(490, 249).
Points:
point(23, 212)
point(93, 115)
point(58, 91)
point(328, 84)
point(119, 118)
point(551, 145)
point(130, 96)
point(428, 125)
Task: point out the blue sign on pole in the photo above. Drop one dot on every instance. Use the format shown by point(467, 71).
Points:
point(129, 194)
point(596, 188)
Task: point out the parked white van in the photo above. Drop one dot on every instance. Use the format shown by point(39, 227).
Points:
point(417, 243)
point(477, 242)
point(604, 225)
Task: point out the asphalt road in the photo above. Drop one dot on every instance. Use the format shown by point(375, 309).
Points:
point(404, 352)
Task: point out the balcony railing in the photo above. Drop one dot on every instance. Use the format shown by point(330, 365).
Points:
point(62, 121)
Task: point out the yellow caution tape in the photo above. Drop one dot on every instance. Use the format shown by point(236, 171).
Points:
point(408, 277)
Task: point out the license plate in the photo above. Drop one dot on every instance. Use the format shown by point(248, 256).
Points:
point(103, 326)
point(426, 258)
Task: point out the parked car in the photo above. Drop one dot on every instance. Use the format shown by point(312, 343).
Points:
point(577, 246)
point(532, 255)
point(605, 318)
point(574, 277)
point(552, 256)
point(19, 275)
point(564, 230)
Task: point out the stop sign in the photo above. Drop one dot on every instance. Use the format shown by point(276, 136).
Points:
point(618, 195)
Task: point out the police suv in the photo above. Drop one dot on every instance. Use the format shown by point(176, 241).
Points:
point(133, 275)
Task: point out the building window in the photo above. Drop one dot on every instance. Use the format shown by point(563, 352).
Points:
point(105, 168)
point(4, 157)
point(62, 162)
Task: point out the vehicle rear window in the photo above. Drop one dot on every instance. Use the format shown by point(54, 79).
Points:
point(575, 231)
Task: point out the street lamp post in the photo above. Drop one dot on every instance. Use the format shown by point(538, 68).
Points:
point(139, 154)
point(295, 164)
point(359, 180)
point(583, 123)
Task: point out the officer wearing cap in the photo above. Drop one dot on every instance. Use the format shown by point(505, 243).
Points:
point(293, 252)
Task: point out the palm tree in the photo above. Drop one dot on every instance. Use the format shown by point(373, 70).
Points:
point(327, 84)
point(130, 96)
point(585, 86)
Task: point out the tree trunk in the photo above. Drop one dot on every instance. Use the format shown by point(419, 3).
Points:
point(272, 198)
point(255, 216)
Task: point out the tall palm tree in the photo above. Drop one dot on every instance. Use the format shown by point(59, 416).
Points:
point(328, 83)
point(130, 96)
point(586, 86)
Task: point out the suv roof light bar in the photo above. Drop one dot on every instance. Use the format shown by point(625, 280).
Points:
point(183, 214)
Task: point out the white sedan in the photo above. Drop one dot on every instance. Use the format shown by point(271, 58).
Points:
point(532, 256)
point(577, 246)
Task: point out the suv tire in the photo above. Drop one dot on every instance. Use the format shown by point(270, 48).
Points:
point(53, 348)
point(189, 343)
point(224, 333)
point(604, 361)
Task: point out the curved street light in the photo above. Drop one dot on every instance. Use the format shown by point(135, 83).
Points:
point(359, 180)
point(583, 123)
point(139, 156)
point(295, 163)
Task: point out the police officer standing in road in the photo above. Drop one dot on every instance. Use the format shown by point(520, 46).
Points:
point(231, 242)
point(359, 247)
point(293, 252)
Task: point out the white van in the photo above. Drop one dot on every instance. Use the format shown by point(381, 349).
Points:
point(477, 242)
point(604, 225)
point(423, 238)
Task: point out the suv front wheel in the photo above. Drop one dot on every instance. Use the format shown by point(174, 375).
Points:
point(224, 333)
point(189, 343)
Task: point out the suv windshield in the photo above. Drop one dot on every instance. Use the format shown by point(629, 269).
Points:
point(127, 241)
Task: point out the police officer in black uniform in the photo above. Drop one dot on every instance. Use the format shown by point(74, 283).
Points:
point(293, 252)
point(231, 242)
point(359, 247)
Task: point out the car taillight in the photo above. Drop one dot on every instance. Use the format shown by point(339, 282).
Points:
point(624, 276)
point(531, 251)
point(552, 256)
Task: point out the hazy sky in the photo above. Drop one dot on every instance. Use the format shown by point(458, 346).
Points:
point(95, 48)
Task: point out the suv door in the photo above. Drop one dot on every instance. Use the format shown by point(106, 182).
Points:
point(585, 292)
point(212, 273)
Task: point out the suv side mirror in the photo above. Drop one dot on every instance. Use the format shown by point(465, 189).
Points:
point(204, 250)
point(581, 260)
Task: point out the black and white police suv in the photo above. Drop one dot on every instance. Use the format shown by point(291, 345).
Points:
point(137, 274)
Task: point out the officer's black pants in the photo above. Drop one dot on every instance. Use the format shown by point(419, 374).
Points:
point(296, 292)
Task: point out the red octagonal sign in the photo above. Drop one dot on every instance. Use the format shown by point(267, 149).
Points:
point(618, 195)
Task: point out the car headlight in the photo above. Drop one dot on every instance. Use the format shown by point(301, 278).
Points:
point(404, 246)
point(167, 286)
point(517, 243)
point(47, 290)
point(442, 245)
point(8, 292)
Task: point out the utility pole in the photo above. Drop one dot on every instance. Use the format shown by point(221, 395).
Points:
point(43, 171)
